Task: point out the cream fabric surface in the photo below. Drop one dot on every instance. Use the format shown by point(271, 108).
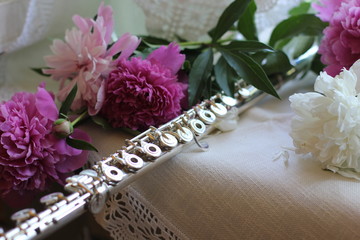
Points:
point(246, 187)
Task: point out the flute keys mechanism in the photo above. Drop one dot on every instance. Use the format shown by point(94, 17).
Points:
point(219, 109)
point(229, 101)
point(89, 172)
point(150, 149)
point(133, 162)
point(168, 140)
point(98, 200)
point(185, 134)
point(197, 126)
point(206, 116)
point(23, 215)
point(51, 198)
point(113, 173)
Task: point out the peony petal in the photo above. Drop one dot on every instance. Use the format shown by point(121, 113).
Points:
point(83, 24)
point(169, 57)
point(73, 162)
point(106, 12)
point(45, 104)
point(126, 44)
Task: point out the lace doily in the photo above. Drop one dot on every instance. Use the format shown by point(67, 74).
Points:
point(128, 216)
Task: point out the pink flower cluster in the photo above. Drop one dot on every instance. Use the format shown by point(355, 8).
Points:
point(128, 92)
point(340, 47)
point(145, 92)
point(84, 57)
point(30, 155)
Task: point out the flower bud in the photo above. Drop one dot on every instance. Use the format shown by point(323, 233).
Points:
point(62, 128)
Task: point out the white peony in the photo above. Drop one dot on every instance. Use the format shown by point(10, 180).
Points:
point(327, 122)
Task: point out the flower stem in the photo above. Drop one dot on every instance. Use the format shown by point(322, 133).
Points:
point(82, 116)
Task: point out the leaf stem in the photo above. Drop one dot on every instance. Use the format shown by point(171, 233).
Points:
point(82, 116)
point(195, 43)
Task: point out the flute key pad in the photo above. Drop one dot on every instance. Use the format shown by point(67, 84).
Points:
point(168, 140)
point(185, 134)
point(51, 198)
point(113, 173)
point(151, 149)
point(133, 161)
point(207, 116)
point(219, 109)
point(197, 126)
point(23, 215)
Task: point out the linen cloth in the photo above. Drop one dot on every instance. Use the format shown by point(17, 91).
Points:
point(249, 185)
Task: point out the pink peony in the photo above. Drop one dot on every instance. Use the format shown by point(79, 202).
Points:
point(30, 155)
point(327, 8)
point(340, 46)
point(141, 93)
point(84, 58)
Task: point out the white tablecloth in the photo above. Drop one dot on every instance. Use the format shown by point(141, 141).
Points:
point(234, 191)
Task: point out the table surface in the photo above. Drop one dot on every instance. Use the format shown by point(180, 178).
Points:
point(235, 190)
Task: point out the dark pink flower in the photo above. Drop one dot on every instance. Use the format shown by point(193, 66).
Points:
point(30, 155)
point(340, 46)
point(84, 57)
point(145, 92)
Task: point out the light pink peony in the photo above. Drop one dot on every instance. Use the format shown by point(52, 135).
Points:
point(84, 58)
point(340, 46)
point(141, 93)
point(327, 8)
point(30, 155)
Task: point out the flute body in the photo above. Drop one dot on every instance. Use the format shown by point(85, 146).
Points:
point(91, 187)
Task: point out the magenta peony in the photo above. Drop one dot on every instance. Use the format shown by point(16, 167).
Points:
point(145, 92)
point(84, 58)
point(340, 46)
point(30, 155)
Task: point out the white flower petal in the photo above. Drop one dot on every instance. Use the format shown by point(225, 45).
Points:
point(327, 122)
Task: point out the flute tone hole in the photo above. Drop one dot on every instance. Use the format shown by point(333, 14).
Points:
point(134, 160)
point(152, 149)
point(113, 172)
point(198, 125)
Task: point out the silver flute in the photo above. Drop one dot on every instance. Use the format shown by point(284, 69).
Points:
point(90, 189)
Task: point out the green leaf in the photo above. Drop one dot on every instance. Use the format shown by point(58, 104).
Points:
point(303, 8)
point(317, 66)
point(199, 74)
point(304, 24)
point(227, 19)
point(150, 40)
point(80, 144)
point(225, 76)
point(247, 46)
point(249, 70)
point(40, 71)
point(65, 107)
point(246, 24)
point(276, 62)
point(301, 44)
point(101, 122)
